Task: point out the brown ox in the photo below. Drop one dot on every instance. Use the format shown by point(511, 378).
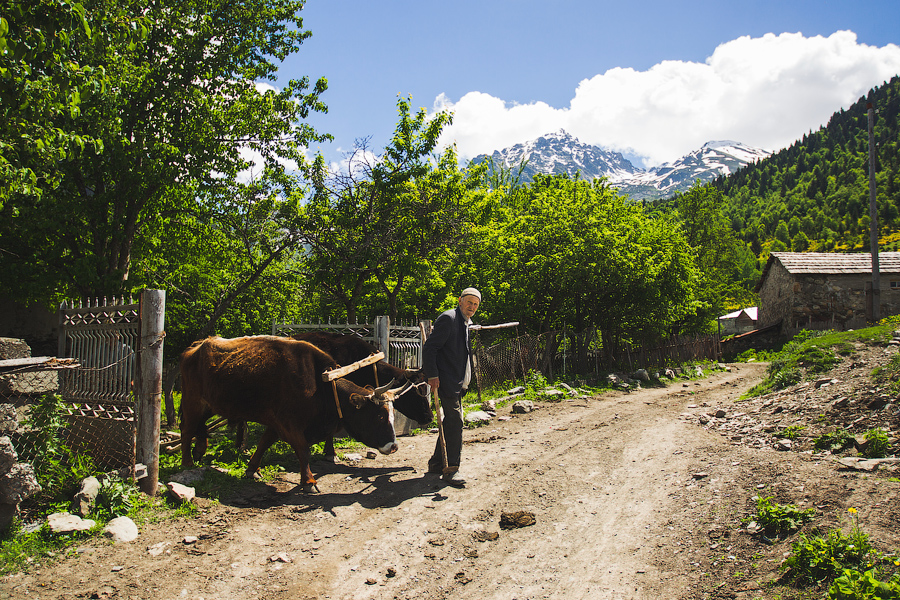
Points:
point(277, 382)
point(350, 348)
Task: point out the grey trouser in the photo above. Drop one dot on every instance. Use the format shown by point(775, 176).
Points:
point(453, 427)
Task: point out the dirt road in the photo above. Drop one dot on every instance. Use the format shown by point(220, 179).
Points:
point(631, 499)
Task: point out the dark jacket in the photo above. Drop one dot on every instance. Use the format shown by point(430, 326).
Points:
point(446, 351)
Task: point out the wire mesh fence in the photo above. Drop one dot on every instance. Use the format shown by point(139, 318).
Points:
point(82, 399)
point(103, 433)
point(562, 354)
point(510, 360)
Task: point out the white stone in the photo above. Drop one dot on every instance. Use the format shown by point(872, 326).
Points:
point(67, 523)
point(121, 529)
point(477, 416)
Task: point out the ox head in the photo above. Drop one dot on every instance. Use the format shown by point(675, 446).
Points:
point(370, 416)
point(379, 396)
point(418, 379)
point(408, 399)
point(415, 404)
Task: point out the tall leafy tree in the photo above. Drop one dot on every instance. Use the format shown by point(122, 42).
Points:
point(186, 111)
point(383, 219)
point(44, 81)
point(717, 253)
point(568, 254)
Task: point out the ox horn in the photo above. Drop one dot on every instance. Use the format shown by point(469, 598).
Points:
point(402, 389)
point(381, 390)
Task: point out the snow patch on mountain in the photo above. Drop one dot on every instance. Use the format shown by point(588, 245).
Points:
point(561, 152)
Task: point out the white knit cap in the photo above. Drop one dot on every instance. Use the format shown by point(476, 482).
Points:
point(470, 291)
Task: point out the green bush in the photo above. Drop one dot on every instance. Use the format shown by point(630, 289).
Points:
point(836, 441)
point(777, 518)
point(791, 432)
point(853, 585)
point(816, 559)
point(535, 381)
point(878, 445)
point(786, 378)
point(115, 497)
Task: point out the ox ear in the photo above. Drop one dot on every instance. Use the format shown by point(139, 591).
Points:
point(359, 400)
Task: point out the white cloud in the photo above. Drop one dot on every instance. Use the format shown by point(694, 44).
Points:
point(765, 91)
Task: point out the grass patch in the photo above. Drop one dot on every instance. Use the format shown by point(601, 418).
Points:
point(22, 551)
point(811, 353)
point(779, 519)
point(888, 375)
point(791, 432)
point(836, 441)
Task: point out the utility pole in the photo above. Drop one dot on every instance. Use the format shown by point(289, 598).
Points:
point(873, 218)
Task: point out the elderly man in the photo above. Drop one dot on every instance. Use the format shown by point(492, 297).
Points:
point(447, 363)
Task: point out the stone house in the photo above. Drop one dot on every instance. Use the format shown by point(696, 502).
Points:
point(811, 290)
point(739, 321)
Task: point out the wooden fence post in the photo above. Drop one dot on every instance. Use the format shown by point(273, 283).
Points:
point(383, 335)
point(149, 385)
point(424, 332)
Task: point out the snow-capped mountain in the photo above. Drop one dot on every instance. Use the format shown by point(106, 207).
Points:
point(562, 153)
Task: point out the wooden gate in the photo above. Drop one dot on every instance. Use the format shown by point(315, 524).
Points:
point(401, 344)
point(98, 396)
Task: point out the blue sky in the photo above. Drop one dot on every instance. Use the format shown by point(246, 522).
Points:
point(653, 79)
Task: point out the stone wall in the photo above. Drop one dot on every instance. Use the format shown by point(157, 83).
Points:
point(17, 479)
point(821, 301)
point(36, 325)
point(775, 296)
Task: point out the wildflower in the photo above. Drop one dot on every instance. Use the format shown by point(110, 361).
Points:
point(851, 510)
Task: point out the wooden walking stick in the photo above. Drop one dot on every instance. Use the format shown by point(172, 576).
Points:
point(448, 470)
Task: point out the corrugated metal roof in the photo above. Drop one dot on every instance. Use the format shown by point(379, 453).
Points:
point(750, 312)
point(819, 262)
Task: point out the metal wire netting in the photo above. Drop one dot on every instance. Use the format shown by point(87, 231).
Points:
point(47, 422)
point(510, 360)
point(557, 354)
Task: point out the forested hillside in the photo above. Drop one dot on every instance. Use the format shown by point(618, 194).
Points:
point(814, 195)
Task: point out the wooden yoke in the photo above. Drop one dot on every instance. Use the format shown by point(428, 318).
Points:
point(333, 375)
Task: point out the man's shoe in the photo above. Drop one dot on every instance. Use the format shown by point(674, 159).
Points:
point(454, 479)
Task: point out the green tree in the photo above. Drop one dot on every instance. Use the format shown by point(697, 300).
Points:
point(800, 243)
point(384, 220)
point(176, 129)
point(44, 81)
point(782, 234)
point(717, 250)
point(568, 254)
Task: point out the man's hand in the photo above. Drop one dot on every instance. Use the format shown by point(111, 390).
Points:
point(435, 383)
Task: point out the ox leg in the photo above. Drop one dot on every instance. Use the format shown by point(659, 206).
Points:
point(301, 449)
point(192, 425)
point(269, 437)
point(202, 442)
point(328, 451)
